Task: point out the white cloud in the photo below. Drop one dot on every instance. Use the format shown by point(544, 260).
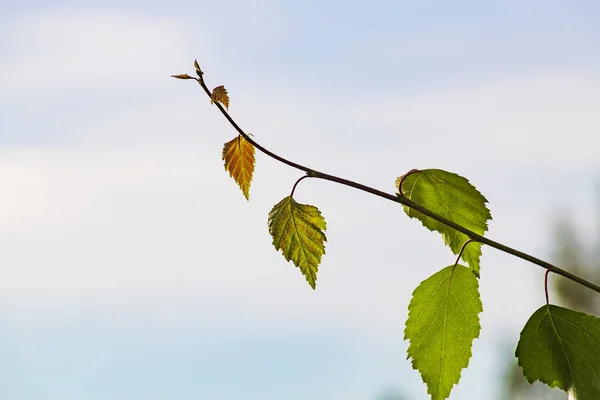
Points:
point(61, 51)
point(532, 119)
point(545, 121)
point(141, 204)
point(539, 118)
point(98, 225)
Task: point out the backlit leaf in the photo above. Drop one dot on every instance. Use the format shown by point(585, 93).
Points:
point(453, 197)
point(298, 230)
point(220, 94)
point(561, 348)
point(443, 321)
point(238, 155)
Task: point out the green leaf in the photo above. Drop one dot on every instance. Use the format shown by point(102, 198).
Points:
point(454, 198)
point(298, 230)
point(443, 320)
point(561, 348)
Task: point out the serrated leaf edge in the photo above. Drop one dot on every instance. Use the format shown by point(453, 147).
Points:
point(244, 158)
point(478, 326)
point(307, 270)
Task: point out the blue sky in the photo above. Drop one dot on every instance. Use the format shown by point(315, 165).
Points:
point(132, 266)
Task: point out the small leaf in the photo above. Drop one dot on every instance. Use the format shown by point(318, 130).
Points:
point(238, 155)
point(561, 348)
point(183, 76)
point(454, 198)
point(220, 94)
point(443, 321)
point(198, 72)
point(298, 230)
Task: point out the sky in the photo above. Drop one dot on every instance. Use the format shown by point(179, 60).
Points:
point(133, 267)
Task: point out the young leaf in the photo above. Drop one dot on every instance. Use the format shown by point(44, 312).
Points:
point(298, 230)
point(561, 348)
point(238, 155)
point(198, 72)
point(443, 320)
point(454, 198)
point(182, 76)
point(220, 94)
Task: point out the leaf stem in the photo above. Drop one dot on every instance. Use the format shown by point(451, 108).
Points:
point(462, 248)
point(400, 198)
point(546, 286)
point(297, 182)
point(412, 171)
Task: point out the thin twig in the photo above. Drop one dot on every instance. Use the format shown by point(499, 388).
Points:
point(297, 182)
point(462, 248)
point(546, 286)
point(400, 198)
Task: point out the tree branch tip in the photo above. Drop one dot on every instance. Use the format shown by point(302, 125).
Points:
point(396, 197)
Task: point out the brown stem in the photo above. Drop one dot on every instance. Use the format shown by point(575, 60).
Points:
point(296, 184)
point(546, 286)
point(462, 248)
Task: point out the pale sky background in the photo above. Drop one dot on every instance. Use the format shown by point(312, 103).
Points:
point(133, 268)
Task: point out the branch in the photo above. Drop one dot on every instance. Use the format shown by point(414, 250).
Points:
point(397, 198)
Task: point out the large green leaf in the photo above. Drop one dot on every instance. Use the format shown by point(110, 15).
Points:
point(561, 348)
point(298, 230)
point(454, 198)
point(443, 320)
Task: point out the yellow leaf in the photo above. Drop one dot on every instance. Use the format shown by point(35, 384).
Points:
point(220, 94)
point(238, 155)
